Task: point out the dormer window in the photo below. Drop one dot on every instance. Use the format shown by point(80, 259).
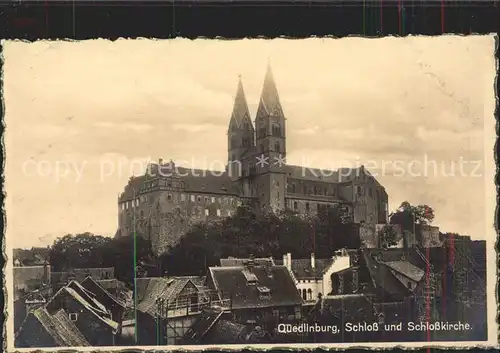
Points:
point(250, 277)
point(73, 316)
point(264, 292)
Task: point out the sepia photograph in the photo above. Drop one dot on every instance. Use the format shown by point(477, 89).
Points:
point(250, 193)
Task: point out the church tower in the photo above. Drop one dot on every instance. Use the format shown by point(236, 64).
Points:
point(240, 134)
point(271, 147)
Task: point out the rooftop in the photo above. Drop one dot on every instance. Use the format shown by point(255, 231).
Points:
point(60, 328)
point(231, 283)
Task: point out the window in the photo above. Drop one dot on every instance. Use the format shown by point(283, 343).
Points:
point(213, 199)
point(142, 214)
point(309, 294)
point(325, 191)
point(304, 189)
point(293, 187)
point(295, 205)
point(192, 198)
point(73, 316)
point(206, 211)
point(307, 206)
point(183, 197)
point(276, 130)
point(277, 147)
point(276, 313)
point(304, 294)
point(199, 199)
point(218, 212)
point(410, 286)
point(169, 197)
point(261, 147)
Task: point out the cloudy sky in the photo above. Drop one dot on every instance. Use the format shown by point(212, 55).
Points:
point(81, 117)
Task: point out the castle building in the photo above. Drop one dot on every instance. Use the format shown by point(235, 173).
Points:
point(167, 200)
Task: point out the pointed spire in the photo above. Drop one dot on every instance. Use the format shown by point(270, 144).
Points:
point(269, 104)
point(240, 109)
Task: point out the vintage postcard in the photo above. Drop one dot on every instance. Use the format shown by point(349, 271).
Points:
point(251, 193)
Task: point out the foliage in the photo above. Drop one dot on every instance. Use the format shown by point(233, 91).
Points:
point(79, 251)
point(388, 237)
point(407, 215)
point(91, 251)
point(260, 235)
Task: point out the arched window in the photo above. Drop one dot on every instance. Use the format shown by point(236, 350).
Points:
point(276, 130)
point(277, 147)
point(309, 294)
point(304, 294)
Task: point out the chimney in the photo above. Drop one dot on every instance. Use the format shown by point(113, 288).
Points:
point(285, 259)
point(313, 262)
point(289, 261)
point(160, 161)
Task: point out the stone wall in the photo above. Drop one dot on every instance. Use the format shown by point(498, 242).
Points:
point(430, 236)
point(163, 217)
point(368, 236)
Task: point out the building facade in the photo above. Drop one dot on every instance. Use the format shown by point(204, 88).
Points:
point(163, 203)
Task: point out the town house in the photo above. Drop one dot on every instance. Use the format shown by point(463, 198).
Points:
point(259, 295)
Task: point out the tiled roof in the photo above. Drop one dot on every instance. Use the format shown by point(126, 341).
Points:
point(231, 261)
point(195, 180)
point(200, 328)
point(302, 268)
point(348, 307)
point(60, 328)
point(231, 283)
point(35, 256)
point(98, 290)
point(381, 276)
point(96, 311)
point(88, 296)
point(165, 288)
point(316, 174)
point(407, 269)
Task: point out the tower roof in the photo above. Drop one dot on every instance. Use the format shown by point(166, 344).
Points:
point(269, 104)
point(240, 108)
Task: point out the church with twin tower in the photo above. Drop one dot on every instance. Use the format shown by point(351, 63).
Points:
point(167, 200)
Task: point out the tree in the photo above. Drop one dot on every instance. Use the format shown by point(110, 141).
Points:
point(388, 236)
point(91, 251)
point(79, 251)
point(407, 215)
point(258, 234)
point(121, 254)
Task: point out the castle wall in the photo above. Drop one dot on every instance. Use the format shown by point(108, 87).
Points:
point(164, 216)
point(430, 236)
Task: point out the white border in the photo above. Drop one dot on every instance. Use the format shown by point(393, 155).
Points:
point(491, 258)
